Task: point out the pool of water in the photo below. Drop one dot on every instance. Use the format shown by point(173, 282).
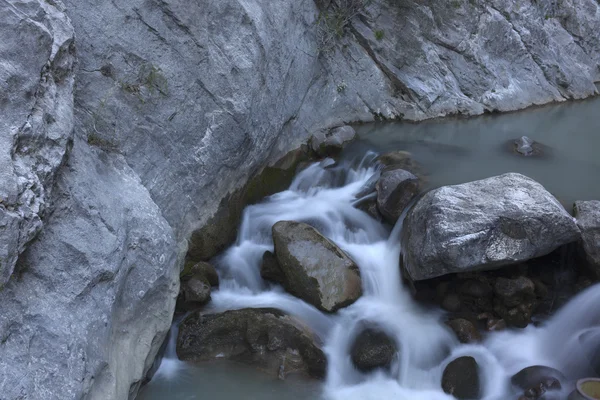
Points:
point(450, 151)
point(456, 150)
point(223, 380)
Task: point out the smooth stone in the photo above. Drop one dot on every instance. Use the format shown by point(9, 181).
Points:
point(465, 331)
point(531, 377)
point(395, 190)
point(461, 378)
point(373, 349)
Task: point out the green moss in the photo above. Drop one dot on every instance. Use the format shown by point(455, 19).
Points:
point(379, 34)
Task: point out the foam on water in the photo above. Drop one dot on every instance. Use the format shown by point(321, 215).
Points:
point(323, 196)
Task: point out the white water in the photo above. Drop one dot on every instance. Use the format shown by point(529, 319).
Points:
point(322, 195)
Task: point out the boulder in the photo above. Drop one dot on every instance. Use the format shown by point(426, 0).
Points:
point(266, 338)
point(201, 270)
point(395, 190)
point(315, 269)
point(332, 142)
point(196, 282)
point(483, 225)
point(465, 331)
point(373, 349)
point(270, 269)
point(196, 291)
point(587, 214)
point(461, 378)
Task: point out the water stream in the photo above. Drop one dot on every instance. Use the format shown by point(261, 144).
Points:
point(323, 195)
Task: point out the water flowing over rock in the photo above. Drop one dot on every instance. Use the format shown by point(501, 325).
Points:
point(395, 190)
point(483, 225)
point(265, 338)
point(465, 331)
point(461, 379)
point(531, 377)
point(587, 214)
point(315, 269)
point(373, 349)
point(177, 105)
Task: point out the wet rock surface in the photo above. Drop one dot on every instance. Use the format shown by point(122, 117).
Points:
point(535, 381)
point(465, 330)
point(315, 269)
point(332, 142)
point(482, 225)
point(373, 349)
point(461, 378)
point(265, 338)
point(395, 190)
point(587, 214)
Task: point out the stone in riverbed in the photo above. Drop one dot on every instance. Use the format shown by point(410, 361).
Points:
point(483, 225)
point(332, 142)
point(373, 349)
point(465, 331)
point(270, 269)
point(315, 269)
point(395, 190)
point(536, 380)
point(514, 300)
point(266, 338)
point(587, 214)
point(461, 378)
point(399, 160)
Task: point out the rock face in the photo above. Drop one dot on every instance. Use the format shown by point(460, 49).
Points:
point(587, 214)
point(177, 105)
point(373, 349)
point(36, 118)
point(315, 269)
point(483, 225)
point(461, 378)
point(265, 338)
point(395, 190)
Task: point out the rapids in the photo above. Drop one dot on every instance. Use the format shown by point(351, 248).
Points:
point(323, 195)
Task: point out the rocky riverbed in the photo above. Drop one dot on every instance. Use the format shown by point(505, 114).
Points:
point(134, 133)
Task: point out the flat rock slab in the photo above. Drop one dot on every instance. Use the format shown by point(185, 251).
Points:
point(315, 269)
point(263, 337)
point(483, 225)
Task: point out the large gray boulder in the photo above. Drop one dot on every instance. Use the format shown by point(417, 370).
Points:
point(315, 269)
point(483, 225)
point(587, 214)
point(37, 57)
point(262, 337)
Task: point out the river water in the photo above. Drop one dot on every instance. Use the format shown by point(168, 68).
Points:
point(451, 151)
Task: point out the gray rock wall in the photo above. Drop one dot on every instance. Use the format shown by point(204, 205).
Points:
point(175, 105)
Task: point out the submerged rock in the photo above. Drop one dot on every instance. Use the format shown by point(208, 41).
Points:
point(587, 214)
point(399, 160)
point(483, 225)
point(265, 338)
point(332, 142)
point(395, 190)
point(461, 378)
point(373, 349)
point(315, 269)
